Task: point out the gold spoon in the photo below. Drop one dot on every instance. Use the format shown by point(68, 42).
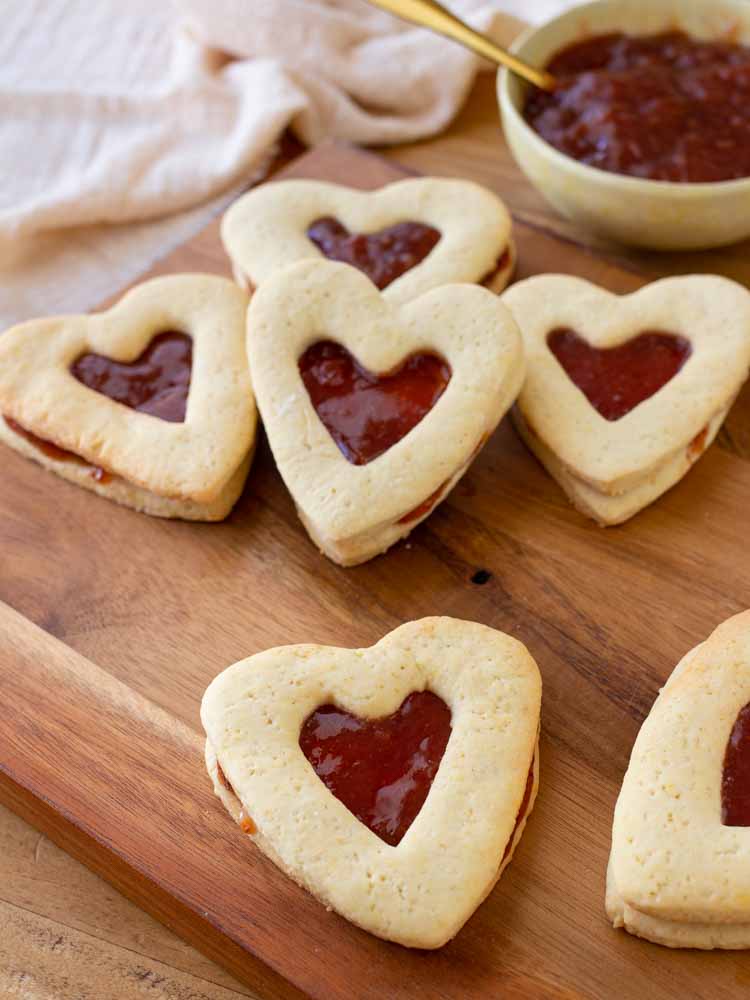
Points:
point(430, 14)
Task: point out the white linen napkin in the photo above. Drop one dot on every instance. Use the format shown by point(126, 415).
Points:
point(125, 126)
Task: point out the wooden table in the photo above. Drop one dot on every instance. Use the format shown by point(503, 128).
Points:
point(67, 934)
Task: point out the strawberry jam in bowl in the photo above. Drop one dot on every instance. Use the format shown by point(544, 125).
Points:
point(663, 107)
point(646, 137)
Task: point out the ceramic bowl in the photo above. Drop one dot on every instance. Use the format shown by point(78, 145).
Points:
point(661, 215)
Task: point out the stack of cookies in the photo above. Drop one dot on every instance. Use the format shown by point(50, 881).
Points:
point(370, 333)
point(381, 360)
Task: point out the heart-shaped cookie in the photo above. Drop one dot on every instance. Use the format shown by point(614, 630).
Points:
point(679, 871)
point(407, 237)
point(624, 394)
point(266, 716)
point(374, 413)
point(148, 404)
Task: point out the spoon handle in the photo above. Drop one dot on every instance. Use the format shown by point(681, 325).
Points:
point(431, 14)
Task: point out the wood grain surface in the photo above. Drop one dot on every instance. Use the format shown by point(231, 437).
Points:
point(161, 607)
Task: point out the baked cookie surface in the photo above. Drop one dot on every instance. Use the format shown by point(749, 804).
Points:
point(461, 232)
point(684, 345)
point(459, 337)
point(679, 874)
point(192, 460)
point(421, 891)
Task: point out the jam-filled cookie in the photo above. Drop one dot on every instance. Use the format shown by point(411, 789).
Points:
point(373, 413)
point(679, 871)
point(624, 394)
point(148, 404)
point(407, 237)
point(392, 782)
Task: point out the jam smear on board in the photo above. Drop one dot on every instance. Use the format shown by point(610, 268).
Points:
point(56, 453)
point(381, 769)
point(663, 107)
point(735, 779)
point(382, 256)
point(616, 379)
point(157, 382)
point(367, 414)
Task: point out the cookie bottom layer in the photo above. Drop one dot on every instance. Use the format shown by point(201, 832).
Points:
point(128, 494)
point(672, 933)
point(607, 509)
point(236, 810)
point(359, 548)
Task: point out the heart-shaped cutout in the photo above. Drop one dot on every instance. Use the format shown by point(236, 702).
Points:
point(381, 769)
point(735, 780)
point(409, 395)
point(408, 237)
point(624, 393)
point(679, 870)
point(383, 256)
point(367, 414)
point(424, 682)
point(617, 379)
point(157, 382)
point(172, 348)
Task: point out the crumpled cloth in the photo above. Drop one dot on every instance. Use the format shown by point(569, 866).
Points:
point(125, 126)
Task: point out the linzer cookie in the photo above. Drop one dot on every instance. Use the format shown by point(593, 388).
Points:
point(624, 394)
point(679, 872)
point(407, 237)
point(373, 413)
point(394, 782)
point(148, 404)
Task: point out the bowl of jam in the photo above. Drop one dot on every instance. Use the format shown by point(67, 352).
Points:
point(646, 138)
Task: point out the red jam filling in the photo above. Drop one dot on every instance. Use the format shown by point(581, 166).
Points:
point(662, 107)
point(367, 414)
point(224, 780)
point(245, 820)
point(522, 809)
point(56, 453)
point(735, 780)
point(698, 445)
point(425, 507)
point(156, 383)
point(616, 379)
point(502, 264)
point(247, 823)
point(382, 256)
point(381, 769)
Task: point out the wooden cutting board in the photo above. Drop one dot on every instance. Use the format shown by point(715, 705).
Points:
point(106, 758)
